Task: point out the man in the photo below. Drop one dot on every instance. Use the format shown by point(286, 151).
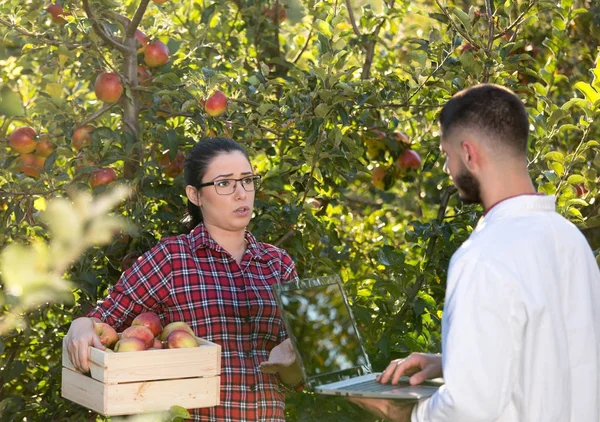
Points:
point(521, 323)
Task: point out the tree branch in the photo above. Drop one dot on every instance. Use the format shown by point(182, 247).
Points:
point(285, 237)
point(414, 291)
point(137, 18)
point(352, 18)
point(39, 37)
point(517, 21)
point(100, 31)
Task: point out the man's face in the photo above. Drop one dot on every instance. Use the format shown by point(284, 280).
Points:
point(467, 184)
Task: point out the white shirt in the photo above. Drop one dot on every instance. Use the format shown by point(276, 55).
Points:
point(521, 322)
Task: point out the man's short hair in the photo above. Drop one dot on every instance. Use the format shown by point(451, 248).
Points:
point(492, 110)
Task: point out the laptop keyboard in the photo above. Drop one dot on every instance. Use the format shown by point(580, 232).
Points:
point(372, 386)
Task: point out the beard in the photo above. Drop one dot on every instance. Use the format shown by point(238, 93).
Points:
point(468, 187)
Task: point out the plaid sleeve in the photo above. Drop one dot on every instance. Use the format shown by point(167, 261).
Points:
point(288, 273)
point(143, 287)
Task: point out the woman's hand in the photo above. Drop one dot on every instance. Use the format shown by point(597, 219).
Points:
point(420, 366)
point(281, 356)
point(80, 337)
point(282, 361)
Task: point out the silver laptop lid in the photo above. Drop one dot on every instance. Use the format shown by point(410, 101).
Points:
point(322, 329)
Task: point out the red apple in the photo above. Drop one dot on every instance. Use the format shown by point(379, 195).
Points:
point(45, 147)
point(409, 159)
point(30, 165)
point(157, 344)
point(401, 137)
point(181, 339)
point(57, 13)
point(159, 1)
point(149, 320)
point(269, 12)
point(22, 140)
point(174, 326)
point(156, 54)
point(102, 177)
point(216, 104)
point(175, 167)
point(140, 332)
point(81, 137)
point(142, 39)
point(144, 75)
point(129, 344)
point(580, 189)
point(108, 87)
point(108, 335)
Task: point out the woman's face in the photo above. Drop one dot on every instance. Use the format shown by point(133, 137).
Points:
point(228, 212)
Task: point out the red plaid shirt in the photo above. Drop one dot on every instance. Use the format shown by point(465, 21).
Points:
point(191, 278)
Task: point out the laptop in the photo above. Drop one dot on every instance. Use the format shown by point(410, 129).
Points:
point(323, 332)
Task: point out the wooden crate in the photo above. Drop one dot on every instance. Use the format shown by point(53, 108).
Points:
point(146, 381)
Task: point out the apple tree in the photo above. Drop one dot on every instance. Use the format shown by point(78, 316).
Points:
point(336, 102)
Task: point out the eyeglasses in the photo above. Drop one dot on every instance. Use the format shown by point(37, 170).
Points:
point(227, 186)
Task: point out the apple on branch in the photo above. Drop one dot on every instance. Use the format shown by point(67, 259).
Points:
point(156, 54)
point(81, 137)
point(216, 104)
point(102, 176)
point(30, 165)
point(45, 147)
point(23, 140)
point(108, 87)
point(57, 13)
point(409, 159)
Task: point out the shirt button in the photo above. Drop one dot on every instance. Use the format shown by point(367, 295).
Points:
point(243, 288)
point(248, 354)
point(248, 319)
point(252, 387)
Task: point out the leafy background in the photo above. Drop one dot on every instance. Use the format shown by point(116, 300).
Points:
point(325, 99)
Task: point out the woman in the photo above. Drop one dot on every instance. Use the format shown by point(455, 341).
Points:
point(217, 278)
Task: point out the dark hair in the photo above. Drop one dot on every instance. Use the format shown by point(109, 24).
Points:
point(196, 163)
point(491, 109)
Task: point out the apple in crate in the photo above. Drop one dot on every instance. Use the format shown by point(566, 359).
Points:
point(157, 344)
point(150, 320)
point(175, 326)
point(141, 333)
point(181, 339)
point(129, 344)
point(108, 335)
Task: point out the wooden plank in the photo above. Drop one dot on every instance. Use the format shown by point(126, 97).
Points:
point(83, 390)
point(139, 397)
point(114, 368)
point(155, 396)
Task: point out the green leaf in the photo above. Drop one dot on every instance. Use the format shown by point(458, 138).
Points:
point(575, 179)
point(558, 168)
point(323, 27)
point(577, 201)
point(555, 156)
point(321, 110)
point(464, 19)
point(588, 91)
point(179, 412)
point(10, 103)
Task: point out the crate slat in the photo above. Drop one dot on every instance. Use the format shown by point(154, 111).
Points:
point(139, 397)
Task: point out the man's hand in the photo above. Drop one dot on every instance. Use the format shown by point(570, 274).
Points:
point(281, 356)
point(422, 366)
point(392, 410)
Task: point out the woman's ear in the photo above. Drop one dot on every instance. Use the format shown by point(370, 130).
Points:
point(192, 195)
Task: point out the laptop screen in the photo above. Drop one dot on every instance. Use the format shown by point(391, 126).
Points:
point(320, 323)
